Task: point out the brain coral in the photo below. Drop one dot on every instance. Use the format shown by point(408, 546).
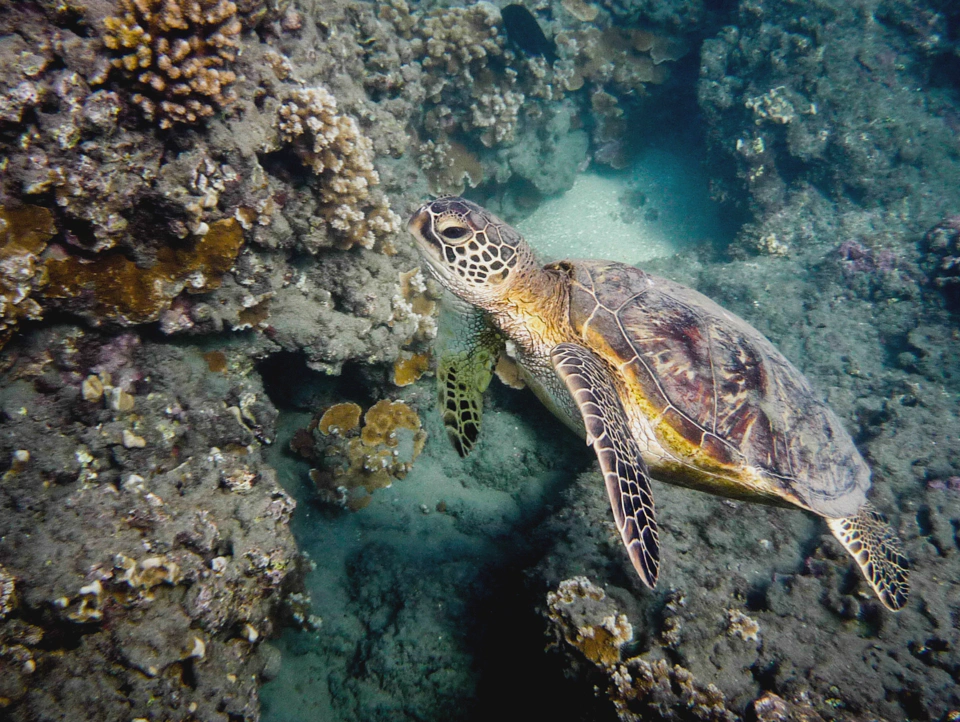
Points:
point(179, 52)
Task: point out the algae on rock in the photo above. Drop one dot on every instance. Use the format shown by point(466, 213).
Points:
point(116, 289)
point(24, 233)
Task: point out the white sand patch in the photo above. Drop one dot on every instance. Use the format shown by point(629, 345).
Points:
point(600, 217)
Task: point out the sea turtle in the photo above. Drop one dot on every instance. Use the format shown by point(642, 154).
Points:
point(660, 380)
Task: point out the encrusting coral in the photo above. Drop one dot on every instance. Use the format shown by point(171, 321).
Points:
point(24, 233)
point(115, 288)
point(409, 367)
point(582, 618)
point(354, 460)
point(179, 52)
point(8, 600)
point(449, 166)
point(418, 302)
point(340, 419)
point(332, 145)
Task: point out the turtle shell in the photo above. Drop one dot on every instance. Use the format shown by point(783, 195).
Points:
point(718, 394)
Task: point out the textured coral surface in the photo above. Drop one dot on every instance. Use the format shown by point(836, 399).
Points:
point(147, 540)
point(180, 52)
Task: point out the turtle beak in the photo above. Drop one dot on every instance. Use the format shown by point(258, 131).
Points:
point(419, 227)
point(418, 221)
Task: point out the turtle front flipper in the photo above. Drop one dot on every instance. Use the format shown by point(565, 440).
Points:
point(628, 484)
point(467, 348)
point(878, 552)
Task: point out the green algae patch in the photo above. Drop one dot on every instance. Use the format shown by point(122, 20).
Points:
point(115, 288)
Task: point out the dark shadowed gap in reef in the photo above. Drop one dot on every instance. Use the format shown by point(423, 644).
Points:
point(294, 386)
point(678, 122)
point(503, 629)
point(505, 632)
point(518, 679)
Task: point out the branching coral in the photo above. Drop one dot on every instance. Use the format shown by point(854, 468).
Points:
point(495, 115)
point(115, 288)
point(355, 461)
point(456, 45)
point(460, 40)
point(466, 93)
point(334, 147)
point(180, 52)
point(24, 233)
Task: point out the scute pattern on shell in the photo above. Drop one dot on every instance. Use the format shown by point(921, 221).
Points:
point(719, 383)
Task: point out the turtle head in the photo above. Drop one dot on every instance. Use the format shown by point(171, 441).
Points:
point(469, 250)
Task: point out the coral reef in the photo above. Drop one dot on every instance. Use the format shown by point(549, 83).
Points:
point(19, 90)
point(409, 367)
point(715, 624)
point(779, 100)
point(942, 245)
point(449, 166)
point(355, 460)
point(582, 617)
point(139, 567)
point(114, 187)
point(240, 188)
point(179, 52)
point(417, 302)
point(8, 599)
point(24, 233)
point(492, 112)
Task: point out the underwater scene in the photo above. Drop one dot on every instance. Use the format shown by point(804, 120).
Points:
point(383, 360)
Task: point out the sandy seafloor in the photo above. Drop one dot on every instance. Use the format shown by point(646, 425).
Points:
point(182, 298)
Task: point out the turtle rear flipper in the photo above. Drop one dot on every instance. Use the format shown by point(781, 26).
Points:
point(624, 471)
point(467, 348)
point(878, 552)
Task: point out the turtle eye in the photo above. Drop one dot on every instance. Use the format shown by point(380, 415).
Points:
point(454, 233)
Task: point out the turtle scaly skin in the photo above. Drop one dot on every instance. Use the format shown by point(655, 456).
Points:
point(659, 379)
